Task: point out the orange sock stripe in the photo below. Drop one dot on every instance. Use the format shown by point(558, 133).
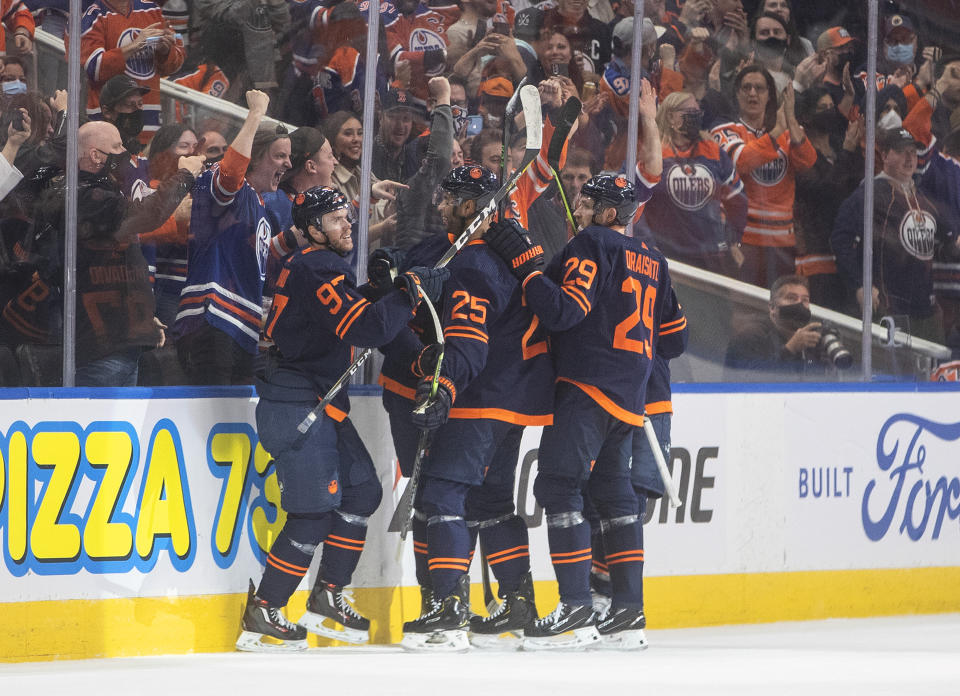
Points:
point(343, 546)
point(524, 547)
point(584, 559)
point(448, 566)
point(345, 540)
point(599, 566)
point(628, 559)
point(284, 563)
point(285, 570)
point(422, 551)
point(571, 553)
point(522, 554)
point(623, 553)
point(454, 560)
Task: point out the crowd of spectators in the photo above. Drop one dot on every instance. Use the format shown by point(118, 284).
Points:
point(182, 222)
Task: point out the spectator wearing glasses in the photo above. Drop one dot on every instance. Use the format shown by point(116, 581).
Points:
point(768, 147)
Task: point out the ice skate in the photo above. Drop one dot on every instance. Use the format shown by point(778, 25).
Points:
point(600, 591)
point(511, 616)
point(443, 627)
point(601, 604)
point(427, 599)
point(262, 621)
point(553, 632)
point(622, 629)
point(331, 615)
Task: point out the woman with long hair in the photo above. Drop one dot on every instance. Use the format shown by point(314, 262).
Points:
point(698, 209)
point(344, 131)
point(768, 147)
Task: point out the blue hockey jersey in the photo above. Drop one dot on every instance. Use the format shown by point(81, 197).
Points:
point(317, 315)
point(227, 258)
point(496, 359)
point(603, 299)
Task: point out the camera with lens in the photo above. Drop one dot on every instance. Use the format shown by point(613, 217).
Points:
point(832, 349)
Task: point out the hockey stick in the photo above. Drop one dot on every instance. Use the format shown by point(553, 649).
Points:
point(404, 509)
point(668, 484)
point(509, 116)
point(567, 116)
point(530, 99)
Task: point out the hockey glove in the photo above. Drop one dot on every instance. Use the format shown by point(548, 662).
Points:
point(383, 267)
point(431, 413)
point(512, 243)
point(430, 280)
point(426, 362)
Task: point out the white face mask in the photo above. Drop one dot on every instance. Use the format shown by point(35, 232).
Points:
point(889, 120)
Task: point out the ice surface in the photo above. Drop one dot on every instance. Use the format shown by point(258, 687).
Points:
point(906, 656)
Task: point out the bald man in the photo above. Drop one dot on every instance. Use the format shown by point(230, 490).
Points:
point(100, 146)
point(115, 305)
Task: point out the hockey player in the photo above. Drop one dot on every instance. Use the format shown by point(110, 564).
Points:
point(671, 340)
point(601, 299)
point(328, 482)
point(496, 378)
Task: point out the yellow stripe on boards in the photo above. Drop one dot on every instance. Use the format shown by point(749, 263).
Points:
point(75, 629)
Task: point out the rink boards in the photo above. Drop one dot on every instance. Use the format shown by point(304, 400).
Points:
point(130, 521)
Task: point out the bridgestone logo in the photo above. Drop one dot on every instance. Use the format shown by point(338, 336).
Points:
point(527, 255)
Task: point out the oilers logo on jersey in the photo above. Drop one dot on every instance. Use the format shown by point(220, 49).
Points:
point(263, 246)
point(771, 173)
point(424, 40)
point(690, 185)
point(918, 231)
point(140, 65)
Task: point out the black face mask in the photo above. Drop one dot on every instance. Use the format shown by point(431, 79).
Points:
point(116, 164)
point(830, 122)
point(771, 47)
point(690, 125)
point(794, 315)
point(130, 125)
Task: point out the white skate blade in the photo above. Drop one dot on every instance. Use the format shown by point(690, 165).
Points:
point(331, 629)
point(253, 642)
point(438, 641)
point(579, 639)
point(622, 640)
point(502, 642)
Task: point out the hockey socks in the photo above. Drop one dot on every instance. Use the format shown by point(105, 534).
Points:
point(623, 544)
point(419, 529)
point(342, 548)
point(506, 543)
point(448, 543)
point(290, 558)
point(570, 553)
